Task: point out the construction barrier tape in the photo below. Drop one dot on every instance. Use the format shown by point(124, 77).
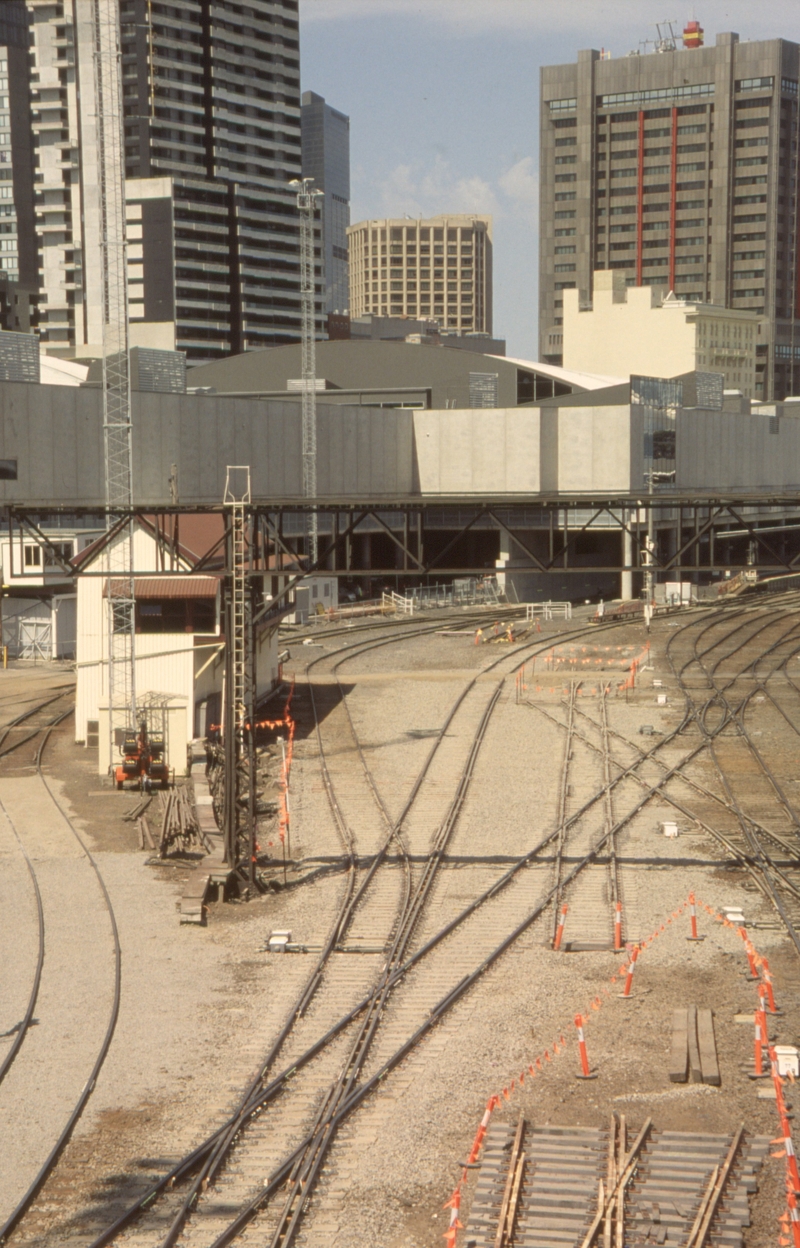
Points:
point(535, 1068)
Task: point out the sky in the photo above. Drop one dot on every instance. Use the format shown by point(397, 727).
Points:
point(443, 100)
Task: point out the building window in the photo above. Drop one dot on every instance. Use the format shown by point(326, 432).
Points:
point(60, 550)
point(33, 556)
point(755, 84)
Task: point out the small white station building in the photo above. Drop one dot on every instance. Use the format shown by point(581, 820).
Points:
point(179, 643)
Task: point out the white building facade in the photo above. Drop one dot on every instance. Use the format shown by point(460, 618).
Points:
point(180, 650)
point(635, 330)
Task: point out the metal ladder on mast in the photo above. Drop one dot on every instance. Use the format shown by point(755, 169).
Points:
point(119, 555)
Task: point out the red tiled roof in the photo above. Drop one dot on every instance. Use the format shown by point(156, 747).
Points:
point(185, 586)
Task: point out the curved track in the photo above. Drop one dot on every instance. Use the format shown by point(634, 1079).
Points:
point(372, 1037)
point(51, 1069)
point(261, 1091)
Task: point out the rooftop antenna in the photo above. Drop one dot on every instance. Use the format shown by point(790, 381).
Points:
point(667, 39)
point(307, 198)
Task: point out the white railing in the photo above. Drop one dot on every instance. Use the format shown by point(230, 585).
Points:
point(547, 610)
point(464, 591)
point(396, 603)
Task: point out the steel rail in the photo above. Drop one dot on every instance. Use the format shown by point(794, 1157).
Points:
point(562, 805)
point(303, 1176)
point(280, 1081)
point(20, 719)
point(259, 1095)
point(218, 1152)
point(25, 1022)
point(684, 779)
point(280, 1175)
point(763, 865)
point(306, 1170)
point(608, 814)
point(350, 901)
point(14, 1218)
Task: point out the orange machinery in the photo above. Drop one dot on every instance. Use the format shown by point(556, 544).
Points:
point(142, 758)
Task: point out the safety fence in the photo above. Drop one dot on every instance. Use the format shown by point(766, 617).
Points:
point(547, 610)
point(287, 751)
point(396, 604)
point(468, 591)
point(759, 970)
point(580, 661)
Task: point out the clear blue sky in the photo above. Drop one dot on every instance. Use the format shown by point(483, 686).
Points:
point(443, 103)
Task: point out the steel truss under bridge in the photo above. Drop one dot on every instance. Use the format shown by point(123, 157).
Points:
point(721, 533)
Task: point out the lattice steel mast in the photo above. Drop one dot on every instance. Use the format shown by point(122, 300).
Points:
point(238, 731)
point(306, 206)
point(116, 374)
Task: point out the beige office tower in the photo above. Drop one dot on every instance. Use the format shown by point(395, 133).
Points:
point(679, 169)
point(439, 268)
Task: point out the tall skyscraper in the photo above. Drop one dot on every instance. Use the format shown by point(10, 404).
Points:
point(326, 159)
point(440, 268)
point(17, 237)
point(212, 138)
point(679, 168)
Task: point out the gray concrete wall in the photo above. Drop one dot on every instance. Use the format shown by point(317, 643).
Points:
point(591, 449)
point(727, 450)
point(55, 434)
point(477, 451)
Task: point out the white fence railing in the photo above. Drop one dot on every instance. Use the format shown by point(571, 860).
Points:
point(463, 592)
point(392, 602)
point(547, 610)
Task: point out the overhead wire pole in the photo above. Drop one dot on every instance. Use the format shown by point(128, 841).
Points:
point(238, 657)
point(306, 206)
point(116, 371)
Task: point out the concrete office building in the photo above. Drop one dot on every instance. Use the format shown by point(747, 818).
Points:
point(18, 269)
point(326, 159)
point(397, 268)
point(67, 182)
point(212, 110)
point(628, 330)
point(677, 169)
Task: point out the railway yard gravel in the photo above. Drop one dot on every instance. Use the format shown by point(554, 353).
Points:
point(200, 1006)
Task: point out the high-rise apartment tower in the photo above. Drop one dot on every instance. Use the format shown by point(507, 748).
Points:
point(17, 237)
point(439, 268)
point(680, 169)
point(326, 159)
point(211, 97)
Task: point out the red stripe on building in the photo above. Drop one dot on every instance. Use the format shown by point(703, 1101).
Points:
point(640, 201)
point(673, 191)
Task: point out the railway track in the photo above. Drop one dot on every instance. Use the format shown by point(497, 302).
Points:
point(761, 826)
point(271, 1089)
point(263, 1091)
point(28, 724)
point(50, 1070)
point(584, 729)
point(302, 1161)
